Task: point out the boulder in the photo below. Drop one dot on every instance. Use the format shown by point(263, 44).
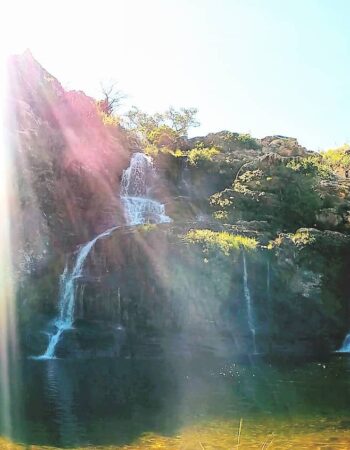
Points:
point(329, 218)
point(284, 146)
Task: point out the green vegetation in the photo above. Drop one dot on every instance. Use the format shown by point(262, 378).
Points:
point(147, 227)
point(222, 240)
point(200, 155)
point(303, 237)
point(161, 129)
point(247, 141)
point(233, 180)
point(289, 193)
point(311, 166)
point(109, 119)
point(338, 159)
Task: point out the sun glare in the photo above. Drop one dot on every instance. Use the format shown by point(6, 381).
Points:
point(167, 278)
point(7, 297)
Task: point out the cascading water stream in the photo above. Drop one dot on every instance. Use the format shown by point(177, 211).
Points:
point(68, 286)
point(345, 348)
point(136, 185)
point(185, 182)
point(248, 300)
point(268, 280)
point(138, 208)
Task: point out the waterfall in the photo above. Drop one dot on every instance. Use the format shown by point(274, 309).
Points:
point(268, 280)
point(67, 294)
point(345, 348)
point(137, 182)
point(248, 301)
point(136, 185)
point(185, 181)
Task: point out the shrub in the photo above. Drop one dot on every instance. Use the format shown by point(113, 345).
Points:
point(313, 166)
point(338, 159)
point(247, 141)
point(222, 240)
point(200, 155)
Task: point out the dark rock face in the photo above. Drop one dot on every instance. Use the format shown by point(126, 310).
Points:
point(91, 339)
point(146, 291)
point(329, 218)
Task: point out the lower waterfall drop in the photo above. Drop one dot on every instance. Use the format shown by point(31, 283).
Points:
point(345, 348)
point(248, 300)
point(268, 280)
point(64, 320)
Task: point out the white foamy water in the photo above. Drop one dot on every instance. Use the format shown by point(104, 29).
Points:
point(137, 182)
point(345, 348)
point(68, 287)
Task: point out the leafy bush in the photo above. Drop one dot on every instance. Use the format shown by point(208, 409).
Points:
point(162, 136)
point(247, 141)
point(222, 240)
point(302, 237)
point(338, 159)
point(109, 120)
point(313, 166)
point(201, 155)
point(154, 151)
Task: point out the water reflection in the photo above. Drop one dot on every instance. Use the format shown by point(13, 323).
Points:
point(60, 400)
point(119, 402)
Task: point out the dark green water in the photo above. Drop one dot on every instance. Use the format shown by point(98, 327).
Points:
point(113, 402)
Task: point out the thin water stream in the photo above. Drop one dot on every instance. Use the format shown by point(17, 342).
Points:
point(248, 301)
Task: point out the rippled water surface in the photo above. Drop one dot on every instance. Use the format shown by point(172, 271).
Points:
point(182, 404)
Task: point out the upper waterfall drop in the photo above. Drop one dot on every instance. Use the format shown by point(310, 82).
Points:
point(136, 186)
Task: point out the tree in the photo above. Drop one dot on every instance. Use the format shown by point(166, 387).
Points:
point(141, 122)
point(112, 98)
point(182, 120)
point(161, 129)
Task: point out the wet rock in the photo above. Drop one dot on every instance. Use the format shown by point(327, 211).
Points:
point(91, 339)
point(329, 218)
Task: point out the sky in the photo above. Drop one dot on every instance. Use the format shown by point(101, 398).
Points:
point(252, 66)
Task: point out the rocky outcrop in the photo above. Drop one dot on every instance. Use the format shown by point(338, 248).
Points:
point(282, 145)
point(67, 164)
point(329, 218)
point(311, 275)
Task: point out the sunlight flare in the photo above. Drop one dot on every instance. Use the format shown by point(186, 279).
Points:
point(8, 331)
